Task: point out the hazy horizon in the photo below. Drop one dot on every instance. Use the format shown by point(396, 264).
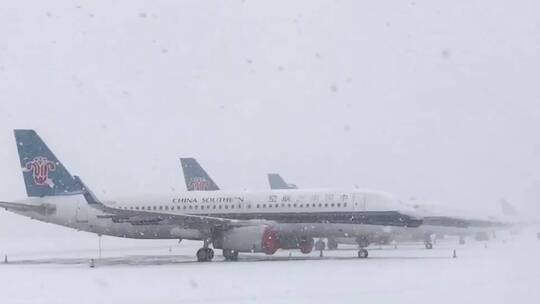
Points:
point(429, 100)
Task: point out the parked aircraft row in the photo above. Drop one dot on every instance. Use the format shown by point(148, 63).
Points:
point(233, 221)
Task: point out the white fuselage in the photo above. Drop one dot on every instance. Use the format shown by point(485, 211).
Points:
point(310, 213)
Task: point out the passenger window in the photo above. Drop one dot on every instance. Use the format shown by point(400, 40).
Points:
point(294, 205)
point(264, 205)
point(185, 207)
point(249, 206)
point(190, 207)
point(219, 207)
point(214, 207)
point(320, 205)
point(207, 206)
point(326, 205)
point(226, 207)
point(202, 207)
point(239, 206)
point(338, 204)
point(258, 206)
point(166, 207)
point(160, 207)
point(332, 205)
point(277, 205)
point(344, 204)
point(196, 206)
point(289, 205)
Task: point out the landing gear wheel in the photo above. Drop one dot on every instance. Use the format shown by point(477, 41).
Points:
point(320, 245)
point(428, 245)
point(363, 253)
point(205, 254)
point(230, 254)
point(332, 244)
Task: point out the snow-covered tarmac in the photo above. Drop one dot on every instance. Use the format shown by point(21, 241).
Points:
point(56, 270)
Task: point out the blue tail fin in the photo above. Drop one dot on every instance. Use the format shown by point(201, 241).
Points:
point(44, 174)
point(277, 182)
point(89, 196)
point(196, 178)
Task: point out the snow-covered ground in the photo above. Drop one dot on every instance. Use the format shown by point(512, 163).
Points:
point(56, 270)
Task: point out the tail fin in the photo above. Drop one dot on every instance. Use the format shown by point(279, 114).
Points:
point(507, 209)
point(277, 182)
point(89, 196)
point(196, 178)
point(44, 174)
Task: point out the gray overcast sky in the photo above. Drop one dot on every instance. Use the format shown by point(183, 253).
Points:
point(437, 100)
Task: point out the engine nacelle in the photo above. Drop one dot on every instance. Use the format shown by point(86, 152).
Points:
point(249, 239)
point(305, 244)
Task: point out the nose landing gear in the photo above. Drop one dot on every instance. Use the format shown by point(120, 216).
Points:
point(363, 253)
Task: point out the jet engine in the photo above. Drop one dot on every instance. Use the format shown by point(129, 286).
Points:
point(249, 239)
point(264, 238)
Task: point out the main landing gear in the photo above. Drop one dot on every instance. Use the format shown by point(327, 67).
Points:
point(427, 241)
point(230, 254)
point(362, 242)
point(205, 254)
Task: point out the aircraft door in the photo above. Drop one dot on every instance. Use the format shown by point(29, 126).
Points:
point(359, 201)
point(82, 212)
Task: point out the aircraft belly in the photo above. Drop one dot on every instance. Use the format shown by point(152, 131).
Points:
point(335, 230)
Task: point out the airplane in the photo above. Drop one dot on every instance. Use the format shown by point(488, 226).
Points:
point(234, 222)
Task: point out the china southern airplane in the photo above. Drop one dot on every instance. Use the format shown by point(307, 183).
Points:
point(235, 222)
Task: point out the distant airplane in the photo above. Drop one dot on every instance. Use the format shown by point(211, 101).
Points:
point(441, 223)
point(263, 221)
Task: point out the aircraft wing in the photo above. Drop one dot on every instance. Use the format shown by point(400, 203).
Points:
point(137, 217)
point(42, 208)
